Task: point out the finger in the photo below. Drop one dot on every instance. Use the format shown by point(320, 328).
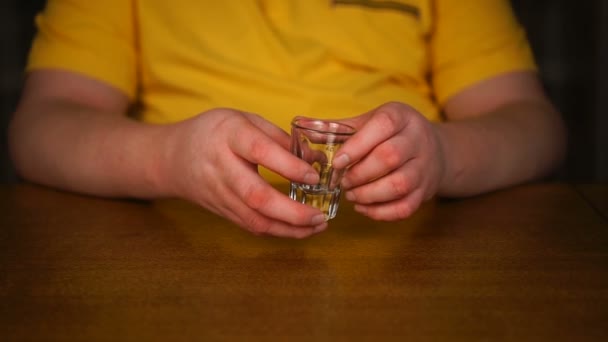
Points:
point(270, 202)
point(396, 185)
point(395, 210)
point(384, 159)
point(385, 122)
point(261, 197)
point(281, 230)
point(277, 134)
point(274, 132)
point(256, 147)
point(258, 224)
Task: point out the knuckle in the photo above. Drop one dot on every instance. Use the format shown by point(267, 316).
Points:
point(387, 120)
point(390, 155)
point(257, 224)
point(400, 185)
point(394, 106)
point(398, 107)
point(258, 150)
point(256, 197)
point(225, 122)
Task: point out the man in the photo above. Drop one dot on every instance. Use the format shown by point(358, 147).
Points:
point(450, 100)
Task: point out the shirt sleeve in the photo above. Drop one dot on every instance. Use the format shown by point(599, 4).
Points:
point(473, 40)
point(93, 38)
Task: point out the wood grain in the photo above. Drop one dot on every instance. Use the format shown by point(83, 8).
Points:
point(529, 263)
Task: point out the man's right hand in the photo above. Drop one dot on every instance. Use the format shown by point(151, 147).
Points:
point(71, 132)
point(213, 160)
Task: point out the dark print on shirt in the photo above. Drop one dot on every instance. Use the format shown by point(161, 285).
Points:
point(382, 4)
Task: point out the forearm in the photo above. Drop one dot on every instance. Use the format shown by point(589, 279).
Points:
point(77, 148)
point(513, 144)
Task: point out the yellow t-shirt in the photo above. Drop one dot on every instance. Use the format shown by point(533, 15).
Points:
point(281, 58)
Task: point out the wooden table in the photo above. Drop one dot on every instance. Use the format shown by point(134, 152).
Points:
point(529, 263)
point(596, 196)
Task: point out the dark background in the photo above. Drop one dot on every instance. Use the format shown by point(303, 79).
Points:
point(569, 39)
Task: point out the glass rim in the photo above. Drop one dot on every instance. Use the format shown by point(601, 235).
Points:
point(294, 123)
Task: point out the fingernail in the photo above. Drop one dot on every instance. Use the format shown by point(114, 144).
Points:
point(311, 178)
point(319, 219)
point(350, 196)
point(320, 227)
point(341, 161)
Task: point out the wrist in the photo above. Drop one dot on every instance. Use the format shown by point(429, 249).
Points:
point(451, 171)
point(161, 167)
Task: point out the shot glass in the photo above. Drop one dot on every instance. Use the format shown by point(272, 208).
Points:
point(317, 142)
